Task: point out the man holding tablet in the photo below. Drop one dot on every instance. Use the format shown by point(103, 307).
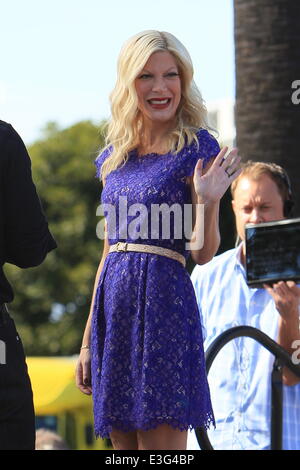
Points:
point(239, 378)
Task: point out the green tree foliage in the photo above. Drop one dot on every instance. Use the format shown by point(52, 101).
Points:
point(52, 301)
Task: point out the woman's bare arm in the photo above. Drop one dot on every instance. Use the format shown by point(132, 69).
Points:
point(83, 369)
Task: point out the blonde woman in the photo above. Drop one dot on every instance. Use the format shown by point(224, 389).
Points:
point(142, 354)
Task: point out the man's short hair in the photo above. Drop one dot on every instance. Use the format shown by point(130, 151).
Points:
point(255, 170)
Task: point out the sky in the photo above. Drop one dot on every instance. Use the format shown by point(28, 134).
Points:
point(58, 57)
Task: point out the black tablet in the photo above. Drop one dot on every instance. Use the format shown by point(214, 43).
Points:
point(272, 252)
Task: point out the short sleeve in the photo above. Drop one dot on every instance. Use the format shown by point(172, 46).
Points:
point(100, 160)
point(206, 149)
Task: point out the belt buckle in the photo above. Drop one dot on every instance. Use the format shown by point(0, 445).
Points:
point(122, 246)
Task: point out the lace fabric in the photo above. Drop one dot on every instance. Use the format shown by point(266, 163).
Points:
point(148, 364)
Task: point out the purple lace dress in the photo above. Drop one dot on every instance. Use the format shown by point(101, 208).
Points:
point(148, 364)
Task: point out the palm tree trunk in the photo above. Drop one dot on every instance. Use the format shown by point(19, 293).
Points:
point(267, 38)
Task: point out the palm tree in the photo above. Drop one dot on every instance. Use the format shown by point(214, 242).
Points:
point(267, 39)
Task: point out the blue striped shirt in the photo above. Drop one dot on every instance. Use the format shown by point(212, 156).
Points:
point(240, 377)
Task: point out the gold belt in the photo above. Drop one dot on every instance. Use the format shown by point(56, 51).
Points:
point(156, 250)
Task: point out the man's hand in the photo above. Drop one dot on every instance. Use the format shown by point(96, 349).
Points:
point(286, 296)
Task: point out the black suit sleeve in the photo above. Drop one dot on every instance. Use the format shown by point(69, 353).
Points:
point(26, 233)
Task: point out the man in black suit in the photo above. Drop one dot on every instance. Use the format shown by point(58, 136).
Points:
point(25, 241)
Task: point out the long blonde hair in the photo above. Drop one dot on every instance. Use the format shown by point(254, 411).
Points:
point(125, 125)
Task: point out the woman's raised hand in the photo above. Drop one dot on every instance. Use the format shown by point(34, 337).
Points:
point(211, 184)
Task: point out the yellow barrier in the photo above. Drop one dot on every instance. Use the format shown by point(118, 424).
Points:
point(59, 405)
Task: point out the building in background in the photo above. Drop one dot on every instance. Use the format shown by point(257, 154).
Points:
point(221, 118)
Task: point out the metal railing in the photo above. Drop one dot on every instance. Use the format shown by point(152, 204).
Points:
point(282, 359)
